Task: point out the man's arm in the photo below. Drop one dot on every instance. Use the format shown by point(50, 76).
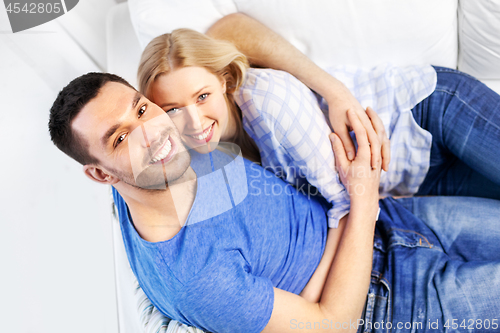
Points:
point(265, 48)
point(344, 294)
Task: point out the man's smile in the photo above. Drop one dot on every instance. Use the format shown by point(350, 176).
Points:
point(165, 153)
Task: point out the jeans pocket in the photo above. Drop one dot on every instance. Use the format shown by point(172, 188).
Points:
point(398, 237)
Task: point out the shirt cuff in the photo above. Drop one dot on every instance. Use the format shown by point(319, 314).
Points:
point(335, 214)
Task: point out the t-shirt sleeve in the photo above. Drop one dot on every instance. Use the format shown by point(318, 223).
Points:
point(227, 297)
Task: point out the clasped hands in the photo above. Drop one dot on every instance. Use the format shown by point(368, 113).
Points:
point(340, 100)
point(361, 174)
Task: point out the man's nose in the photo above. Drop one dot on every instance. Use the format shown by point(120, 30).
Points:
point(151, 133)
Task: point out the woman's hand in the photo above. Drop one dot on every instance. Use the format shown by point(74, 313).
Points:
point(338, 105)
point(361, 176)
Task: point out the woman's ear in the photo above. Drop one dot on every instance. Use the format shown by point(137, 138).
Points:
point(223, 82)
point(98, 175)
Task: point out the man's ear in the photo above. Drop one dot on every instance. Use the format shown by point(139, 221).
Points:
point(98, 175)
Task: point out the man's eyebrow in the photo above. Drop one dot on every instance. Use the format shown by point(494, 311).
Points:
point(109, 133)
point(137, 98)
point(114, 128)
point(196, 93)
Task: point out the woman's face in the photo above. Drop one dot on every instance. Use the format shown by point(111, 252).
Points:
point(194, 99)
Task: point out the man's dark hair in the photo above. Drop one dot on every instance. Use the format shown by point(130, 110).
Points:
point(66, 107)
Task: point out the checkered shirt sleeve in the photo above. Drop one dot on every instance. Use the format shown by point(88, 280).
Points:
point(283, 117)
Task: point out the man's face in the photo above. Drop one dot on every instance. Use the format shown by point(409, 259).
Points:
point(132, 138)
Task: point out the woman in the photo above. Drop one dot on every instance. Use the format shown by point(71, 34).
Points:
point(196, 80)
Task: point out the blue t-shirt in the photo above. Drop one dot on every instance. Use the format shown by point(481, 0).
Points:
point(247, 232)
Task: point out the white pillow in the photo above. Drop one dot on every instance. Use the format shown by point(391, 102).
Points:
point(479, 37)
point(152, 18)
point(366, 34)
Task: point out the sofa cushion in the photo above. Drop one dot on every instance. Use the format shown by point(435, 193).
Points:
point(398, 31)
point(479, 38)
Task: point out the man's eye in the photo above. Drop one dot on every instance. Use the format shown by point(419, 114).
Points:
point(172, 111)
point(120, 139)
point(202, 97)
point(141, 111)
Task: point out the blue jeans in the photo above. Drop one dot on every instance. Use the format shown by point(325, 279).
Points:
point(463, 116)
point(436, 263)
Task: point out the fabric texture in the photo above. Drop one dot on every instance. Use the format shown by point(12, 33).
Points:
point(436, 264)
point(463, 116)
point(285, 120)
point(218, 273)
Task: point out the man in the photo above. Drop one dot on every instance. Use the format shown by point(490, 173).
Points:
point(236, 262)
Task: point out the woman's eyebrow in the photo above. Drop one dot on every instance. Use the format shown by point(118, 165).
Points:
point(194, 95)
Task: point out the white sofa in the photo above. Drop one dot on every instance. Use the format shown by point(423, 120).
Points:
point(463, 34)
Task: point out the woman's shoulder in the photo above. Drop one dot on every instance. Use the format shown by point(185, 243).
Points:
point(271, 80)
point(273, 94)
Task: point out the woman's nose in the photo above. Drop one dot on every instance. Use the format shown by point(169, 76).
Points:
point(193, 118)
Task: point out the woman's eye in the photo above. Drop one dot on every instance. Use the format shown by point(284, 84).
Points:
point(202, 97)
point(142, 110)
point(120, 139)
point(172, 111)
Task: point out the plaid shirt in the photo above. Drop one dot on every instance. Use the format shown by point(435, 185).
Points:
point(288, 123)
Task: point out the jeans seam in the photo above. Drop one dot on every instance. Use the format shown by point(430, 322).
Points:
point(430, 245)
point(457, 95)
point(379, 278)
point(473, 109)
point(465, 297)
point(454, 71)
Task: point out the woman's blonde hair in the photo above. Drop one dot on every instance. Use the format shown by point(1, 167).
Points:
point(189, 48)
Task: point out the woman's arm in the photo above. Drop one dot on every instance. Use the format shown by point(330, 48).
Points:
point(265, 48)
point(313, 289)
point(352, 264)
point(344, 294)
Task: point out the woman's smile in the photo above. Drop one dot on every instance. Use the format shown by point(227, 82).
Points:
point(203, 136)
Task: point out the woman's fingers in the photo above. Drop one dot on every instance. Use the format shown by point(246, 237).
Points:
point(386, 153)
point(340, 128)
point(368, 148)
point(372, 134)
point(384, 141)
point(341, 159)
